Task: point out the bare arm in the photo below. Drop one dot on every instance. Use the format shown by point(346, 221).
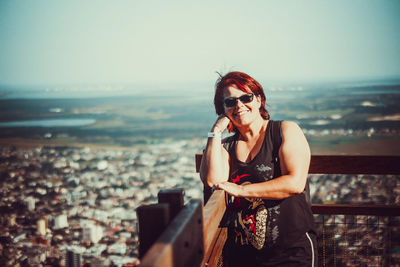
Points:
point(294, 156)
point(214, 167)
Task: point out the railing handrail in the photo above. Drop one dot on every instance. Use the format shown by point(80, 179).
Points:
point(346, 164)
point(213, 212)
point(356, 209)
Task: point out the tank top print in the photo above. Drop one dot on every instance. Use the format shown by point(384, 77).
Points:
point(265, 223)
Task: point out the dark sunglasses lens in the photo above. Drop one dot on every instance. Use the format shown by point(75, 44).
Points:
point(230, 102)
point(246, 98)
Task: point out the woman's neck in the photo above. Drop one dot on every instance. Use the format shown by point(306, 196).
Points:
point(253, 130)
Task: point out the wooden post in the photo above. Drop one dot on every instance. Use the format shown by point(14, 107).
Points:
point(173, 197)
point(181, 244)
point(153, 219)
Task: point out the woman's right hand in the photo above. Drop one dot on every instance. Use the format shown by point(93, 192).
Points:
point(214, 167)
point(221, 124)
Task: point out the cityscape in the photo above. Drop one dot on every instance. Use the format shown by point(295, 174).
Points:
point(83, 200)
point(59, 203)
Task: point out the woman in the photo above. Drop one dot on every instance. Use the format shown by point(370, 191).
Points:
point(264, 167)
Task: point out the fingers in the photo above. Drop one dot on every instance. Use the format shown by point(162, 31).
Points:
point(221, 116)
point(230, 188)
point(221, 123)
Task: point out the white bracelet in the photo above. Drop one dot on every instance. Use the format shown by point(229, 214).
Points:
point(214, 134)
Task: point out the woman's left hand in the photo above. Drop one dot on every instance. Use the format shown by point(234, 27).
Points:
point(231, 188)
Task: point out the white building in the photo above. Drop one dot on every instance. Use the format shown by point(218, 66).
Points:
point(60, 221)
point(92, 233)
point(30, 201)
point(42, 226)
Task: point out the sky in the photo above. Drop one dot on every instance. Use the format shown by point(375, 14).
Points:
point(166, 42)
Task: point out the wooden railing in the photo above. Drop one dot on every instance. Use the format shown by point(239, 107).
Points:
point(190, 238)
point(345, 164)
point(193, 238)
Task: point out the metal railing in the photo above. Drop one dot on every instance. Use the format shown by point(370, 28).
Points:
point(357, 235)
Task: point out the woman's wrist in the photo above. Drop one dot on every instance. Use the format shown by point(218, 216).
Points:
point(243, 191)
point(215, 129)
point(214, 135)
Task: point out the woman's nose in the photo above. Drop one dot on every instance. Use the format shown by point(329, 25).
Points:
point(239, 103)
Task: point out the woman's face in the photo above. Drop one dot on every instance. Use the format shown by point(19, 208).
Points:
point(241, 114)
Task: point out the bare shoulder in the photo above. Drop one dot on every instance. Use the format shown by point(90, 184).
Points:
point(290, 124)
point(291, 128)
point(295, 149)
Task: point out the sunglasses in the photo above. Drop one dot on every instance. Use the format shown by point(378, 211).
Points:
point(232, 101)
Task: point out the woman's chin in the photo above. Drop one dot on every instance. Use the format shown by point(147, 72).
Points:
point(242, 123)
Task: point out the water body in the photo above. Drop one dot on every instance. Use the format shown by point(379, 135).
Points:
point(374, 92)
point(40, 94)
point(49, 123)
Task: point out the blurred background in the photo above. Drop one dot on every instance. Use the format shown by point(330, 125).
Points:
point(102, 104)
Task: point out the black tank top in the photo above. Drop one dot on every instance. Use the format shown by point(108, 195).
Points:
point(264, 223)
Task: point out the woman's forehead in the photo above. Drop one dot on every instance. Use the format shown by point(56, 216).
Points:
point(232, 90)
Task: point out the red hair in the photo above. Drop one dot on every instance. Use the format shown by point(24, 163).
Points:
point(243, 82)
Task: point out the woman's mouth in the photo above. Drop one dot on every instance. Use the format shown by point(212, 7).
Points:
point(240, 113)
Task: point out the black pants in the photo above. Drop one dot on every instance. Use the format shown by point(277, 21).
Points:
point(302, 252)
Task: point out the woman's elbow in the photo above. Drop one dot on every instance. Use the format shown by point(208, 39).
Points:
point(207, 180)
point(211, 184)
point(296, 190)
point(297, 186)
